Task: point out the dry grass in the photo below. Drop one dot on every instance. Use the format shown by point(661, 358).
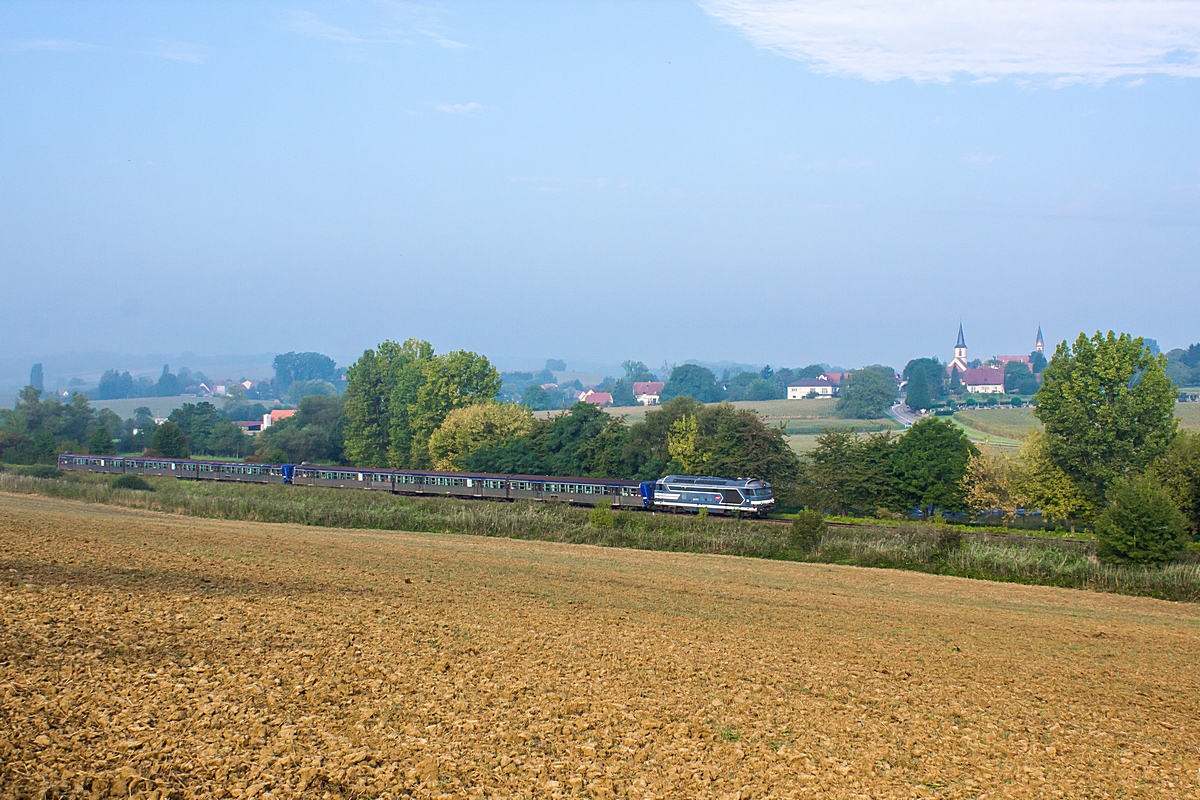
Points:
point(143, 654)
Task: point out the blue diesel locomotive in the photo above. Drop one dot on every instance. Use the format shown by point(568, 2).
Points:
point(732, 496)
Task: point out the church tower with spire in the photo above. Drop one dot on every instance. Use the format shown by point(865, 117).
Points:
point(960, 352)
point(1039, 346)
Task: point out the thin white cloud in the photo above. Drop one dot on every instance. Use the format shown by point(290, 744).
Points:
point(459, 108)
point(396, 28)
point(180, 51)
point(937, 40)
point(307, 23)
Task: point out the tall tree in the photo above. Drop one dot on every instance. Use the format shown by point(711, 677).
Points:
point(867, 393)
point(293, 367)
point(1018, 379)
point(369, 385)
point(168, 384)
point(169, 441)
point(1108, 408)
point(917, 395)
point(637, 371)
point(452, 380)
point(100, 443)
point(1179, 473)
point(930, 462)
point(36, 379)
point(692, 380)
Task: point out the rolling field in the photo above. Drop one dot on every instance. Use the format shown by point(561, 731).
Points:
point(1010, 424)
point(156, 656)
point(160, 407)
point(1189, 416)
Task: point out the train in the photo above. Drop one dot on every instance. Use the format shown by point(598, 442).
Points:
point(680, 493)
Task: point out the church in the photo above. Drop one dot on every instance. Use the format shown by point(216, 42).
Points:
point(986, 379)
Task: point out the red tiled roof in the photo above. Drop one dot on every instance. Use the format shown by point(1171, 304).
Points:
point(281, 413)
point(983, 376)
point(835, 377)
point(647, 387)
point(597, 398)
point(1010, 359)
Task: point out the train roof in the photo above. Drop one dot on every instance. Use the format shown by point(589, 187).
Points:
point(707, 480)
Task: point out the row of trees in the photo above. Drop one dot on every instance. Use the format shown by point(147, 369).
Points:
point(116, 385)
point(36, 429)
point(296, 375)
point(397, 395)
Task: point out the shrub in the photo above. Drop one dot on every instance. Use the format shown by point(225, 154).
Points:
point(807, 529)
point(39, 471)
point(602, 516)
point(135, 482)
point(1140, 525)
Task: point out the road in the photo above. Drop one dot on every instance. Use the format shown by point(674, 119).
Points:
point(901, 414)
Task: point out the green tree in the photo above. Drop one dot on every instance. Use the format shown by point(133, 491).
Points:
point(685, 447)
point(539, 399)
point(1108, 408)
point(36, 378)
point(168, 384)
point(847, 472)
point(1179, 473)
point(867, 393)
point(370, 383)
point(691, 380)
point(100, 442)
point(930, 463)
point(917, 395)
point(1140, 523)
point(1037, 362)
point(1018, 379)
point(314, 433)
point(622, 393)
point(637, 371)
point(169, 441)
point(398, 395)
point(452, 380)
point(293, 367)
point(476, 427)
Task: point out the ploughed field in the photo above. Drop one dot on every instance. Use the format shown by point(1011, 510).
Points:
point(144, 653)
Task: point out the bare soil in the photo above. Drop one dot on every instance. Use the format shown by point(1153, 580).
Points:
point(149, 655)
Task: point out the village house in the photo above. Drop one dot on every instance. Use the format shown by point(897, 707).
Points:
point(984, 380)
point(596, 398)
point(812, 387)
point(647, 392)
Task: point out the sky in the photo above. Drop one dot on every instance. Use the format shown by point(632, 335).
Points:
point(752, 180)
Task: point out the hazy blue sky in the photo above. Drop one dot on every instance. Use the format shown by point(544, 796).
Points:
point(760, 181)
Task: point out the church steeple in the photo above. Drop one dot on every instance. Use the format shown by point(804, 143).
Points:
point(960, 352)
point(1039, 346)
